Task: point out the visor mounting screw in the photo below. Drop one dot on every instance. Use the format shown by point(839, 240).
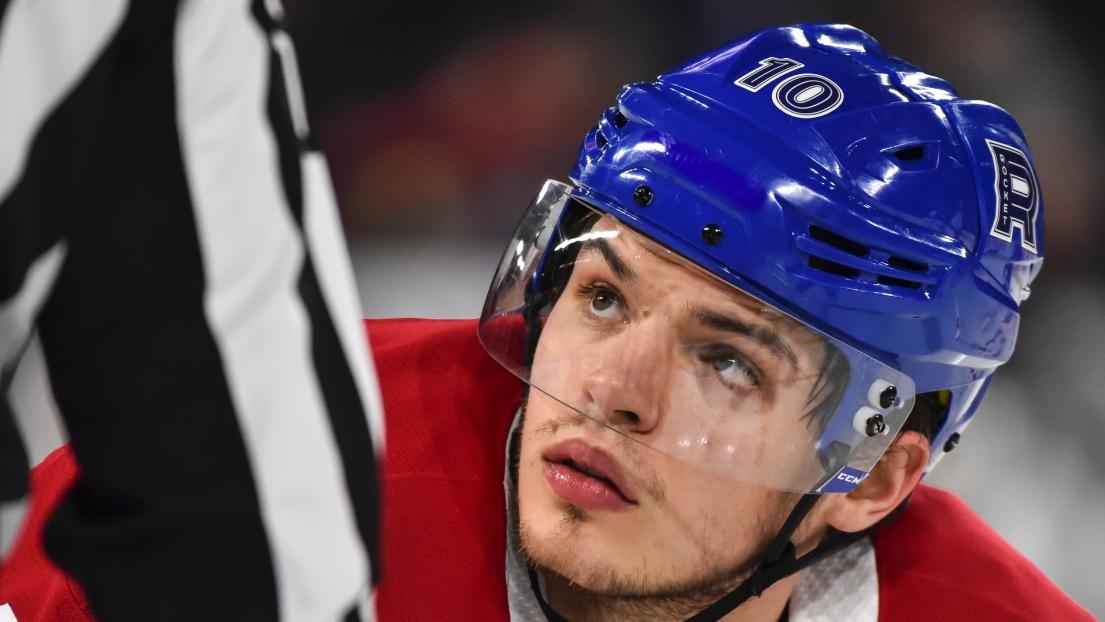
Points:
point(642, 195)
point(953, 440)
point(888, 397)
point(876, 425)
point(711, 234)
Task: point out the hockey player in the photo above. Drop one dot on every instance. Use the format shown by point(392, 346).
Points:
point(769, 301)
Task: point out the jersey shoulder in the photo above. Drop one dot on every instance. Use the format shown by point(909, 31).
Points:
point(448, 408)
point(940, 561)
point(36, 589)
point(444, 397)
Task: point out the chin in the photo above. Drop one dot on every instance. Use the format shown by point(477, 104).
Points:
point(566, 539)
point(588, 550)
point(574, 555)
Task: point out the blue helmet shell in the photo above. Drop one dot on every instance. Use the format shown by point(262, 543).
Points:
point(842, 185)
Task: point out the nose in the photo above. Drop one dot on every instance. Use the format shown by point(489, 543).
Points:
point(627, 381)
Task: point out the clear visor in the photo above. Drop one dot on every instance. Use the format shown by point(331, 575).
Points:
point(609, 325)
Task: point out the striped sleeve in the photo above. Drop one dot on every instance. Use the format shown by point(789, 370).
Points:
point(180, 256)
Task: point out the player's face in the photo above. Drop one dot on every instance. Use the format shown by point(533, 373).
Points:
point(604, 509)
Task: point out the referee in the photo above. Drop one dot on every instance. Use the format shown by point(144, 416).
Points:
point(169, 234)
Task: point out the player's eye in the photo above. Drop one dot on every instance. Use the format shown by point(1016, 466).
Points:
point(603, 301)
point(731, 367)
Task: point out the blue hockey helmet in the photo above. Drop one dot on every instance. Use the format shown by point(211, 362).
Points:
point(843, 188)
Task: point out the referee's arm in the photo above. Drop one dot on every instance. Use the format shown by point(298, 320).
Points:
point(165, 225)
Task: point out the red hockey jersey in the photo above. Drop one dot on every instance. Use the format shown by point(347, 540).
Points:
point(448, 408)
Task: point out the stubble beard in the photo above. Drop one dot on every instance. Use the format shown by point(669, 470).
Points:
point(605, 593)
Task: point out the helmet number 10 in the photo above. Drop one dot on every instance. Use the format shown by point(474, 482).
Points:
point(805, 95)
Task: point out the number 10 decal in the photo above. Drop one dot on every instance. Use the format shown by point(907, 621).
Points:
point(806, 95)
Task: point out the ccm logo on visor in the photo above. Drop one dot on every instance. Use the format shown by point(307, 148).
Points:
point(845, 480)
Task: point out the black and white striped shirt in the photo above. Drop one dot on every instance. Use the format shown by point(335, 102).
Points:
point(170, 237)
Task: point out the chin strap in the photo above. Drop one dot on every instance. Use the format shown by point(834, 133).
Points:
point(550, 614)
point(779, 563)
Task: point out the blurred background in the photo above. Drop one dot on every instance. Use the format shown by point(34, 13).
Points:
point(440, 121)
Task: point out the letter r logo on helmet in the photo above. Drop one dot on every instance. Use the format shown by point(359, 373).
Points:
point(1017, 195)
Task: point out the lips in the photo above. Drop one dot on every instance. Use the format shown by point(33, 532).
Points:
point(587, 476)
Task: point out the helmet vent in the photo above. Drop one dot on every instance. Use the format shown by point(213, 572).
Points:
point(824, 265)
point(832, 253)
point(599, 138)
point(838, 241)
point(907, 264)
point(896, 282)
point(910, 154)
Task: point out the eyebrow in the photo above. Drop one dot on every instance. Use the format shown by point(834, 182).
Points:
point(764, 335)
point(611, 257)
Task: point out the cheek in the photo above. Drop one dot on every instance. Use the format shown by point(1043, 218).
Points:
point(554, 365)
point(536, 417)
point(744, 444)
point(793, 440)
point(529, 488)
point(711, 520)
point(538, 429)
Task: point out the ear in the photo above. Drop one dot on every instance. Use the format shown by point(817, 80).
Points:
point(893, 478)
